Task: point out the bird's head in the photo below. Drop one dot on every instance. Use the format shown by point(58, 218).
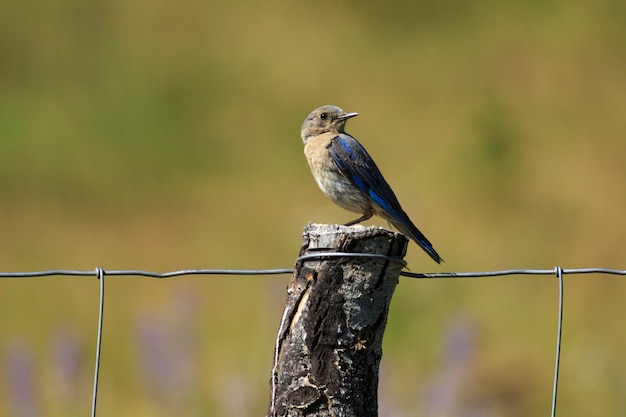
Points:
point(325, 119)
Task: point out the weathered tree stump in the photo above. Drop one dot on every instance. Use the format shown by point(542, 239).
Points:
point(329, 343)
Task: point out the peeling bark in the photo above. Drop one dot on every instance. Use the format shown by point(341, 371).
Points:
point(328, 348)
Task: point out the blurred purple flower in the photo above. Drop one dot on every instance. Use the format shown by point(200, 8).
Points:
point(67, 356)
point(443, 393)
point(21, 398)
point(460, 343)
point(166, 344)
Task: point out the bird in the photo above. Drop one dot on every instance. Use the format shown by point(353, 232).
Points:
point(348, 175)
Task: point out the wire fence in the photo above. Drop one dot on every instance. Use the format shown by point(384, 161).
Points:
point(100, 273)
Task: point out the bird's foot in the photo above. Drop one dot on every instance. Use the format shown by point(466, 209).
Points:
point(359, 220)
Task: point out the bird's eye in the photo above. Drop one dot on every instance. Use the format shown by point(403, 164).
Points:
point(323, 116)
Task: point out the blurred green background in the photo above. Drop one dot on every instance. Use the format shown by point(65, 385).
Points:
point(165, 135)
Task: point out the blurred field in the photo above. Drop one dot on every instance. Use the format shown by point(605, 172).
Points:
point(165, 135)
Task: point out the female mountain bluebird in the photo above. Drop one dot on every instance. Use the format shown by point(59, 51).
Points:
point(347, 174)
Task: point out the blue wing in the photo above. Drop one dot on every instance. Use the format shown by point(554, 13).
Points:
point(357, 165)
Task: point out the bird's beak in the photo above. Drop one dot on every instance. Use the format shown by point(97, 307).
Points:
point(346, 116)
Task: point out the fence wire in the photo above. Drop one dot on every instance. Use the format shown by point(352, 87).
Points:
point(100, 273)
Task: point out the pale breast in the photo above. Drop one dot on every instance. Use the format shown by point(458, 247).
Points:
point(330, 180)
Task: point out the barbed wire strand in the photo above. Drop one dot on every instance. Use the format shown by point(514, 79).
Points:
point(100, 273)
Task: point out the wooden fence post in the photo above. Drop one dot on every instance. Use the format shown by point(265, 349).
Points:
point(328, 348)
